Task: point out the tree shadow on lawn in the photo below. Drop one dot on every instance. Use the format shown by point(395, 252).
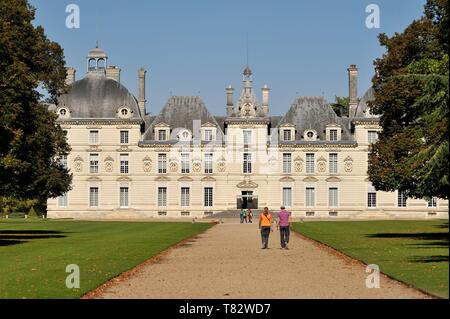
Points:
point(13, 237)
point(429, 240)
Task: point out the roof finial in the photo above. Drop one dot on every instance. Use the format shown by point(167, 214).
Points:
point(247, 49)
point(96, 44)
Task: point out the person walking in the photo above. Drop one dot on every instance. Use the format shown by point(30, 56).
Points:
point(266, 226)
point(243, 216)
point(283, 223)
point(249, 216)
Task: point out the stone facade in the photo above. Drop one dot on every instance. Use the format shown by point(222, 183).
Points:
point(186, 162)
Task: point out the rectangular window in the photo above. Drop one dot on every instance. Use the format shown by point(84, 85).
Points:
point(287, 163)
point(162, 135)
point(93, 137)
point(333, 135)
point(247, 163)
point(247, 137)
point(185, 196)
point(310, 197)
point(63, 160)
point(162, 163)
point(333, 197)
point(432, 203)
point(93, 163)
point(333, 162)
point(309, 163)
point(287, 196)
point(124, 137)
point(124, 197)
point(208, 135)
point(372, 137)
point(401, 199)
point(371, 199)
point(123, 163)
point(162, 196)
point(208, 197)
point(287, 135)
point(62, 200)
point(93, 197)
point(208, 163)
point(185, 163)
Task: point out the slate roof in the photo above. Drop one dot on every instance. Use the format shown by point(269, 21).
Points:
point(361, 110)
point(97, 97)
point(313, 112)
point(181, 112)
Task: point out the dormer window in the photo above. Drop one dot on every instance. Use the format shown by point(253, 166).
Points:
point(333, 132)
point(184, 135)
point(162, 135)
point(208, 135)
point(287, 135)
point(124, 113)
point(63, 112)
point(310, 135)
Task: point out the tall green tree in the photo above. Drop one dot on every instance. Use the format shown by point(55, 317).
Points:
point(30, 142)
point(411, 97)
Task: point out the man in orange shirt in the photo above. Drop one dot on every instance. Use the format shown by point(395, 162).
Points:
point(266, 226)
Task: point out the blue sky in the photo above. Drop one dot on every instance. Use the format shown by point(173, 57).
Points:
point(198, 47)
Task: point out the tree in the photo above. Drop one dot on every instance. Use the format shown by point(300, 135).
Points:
point(30, 142)
point(411, 97)
point(340, 106)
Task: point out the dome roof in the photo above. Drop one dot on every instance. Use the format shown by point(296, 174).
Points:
point(98, 97)
point(97, 53)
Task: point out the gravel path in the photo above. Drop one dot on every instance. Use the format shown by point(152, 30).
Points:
point(227, 262)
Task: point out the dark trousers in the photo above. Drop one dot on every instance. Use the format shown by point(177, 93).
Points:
point(265, 233)
point(284, 235)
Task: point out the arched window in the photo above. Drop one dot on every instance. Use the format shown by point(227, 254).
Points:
point(101, 65)
point(92, 64)
point(124, 112)
point(63, 112)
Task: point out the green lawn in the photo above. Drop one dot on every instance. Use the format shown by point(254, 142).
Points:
point(34, 254)
point(415, 252)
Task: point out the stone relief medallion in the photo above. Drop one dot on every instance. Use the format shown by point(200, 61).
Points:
point(173, 167)
point(298, 163)
point(348, 164)
point(322, 165)
point(197, 167)
point(109, 164)
point(147, 164)
point(78, 167)
point(221, 166)
point(109, 167)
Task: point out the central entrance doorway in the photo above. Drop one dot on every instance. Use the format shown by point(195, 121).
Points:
point(247, 200)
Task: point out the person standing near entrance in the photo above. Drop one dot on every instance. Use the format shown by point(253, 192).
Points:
point(266, 226)
point(243, 215)
point(283, 224)
point(249, 216)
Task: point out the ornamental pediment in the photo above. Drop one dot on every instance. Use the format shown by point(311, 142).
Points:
point(185, 179)
point(208, 124)
point(310, 179)
point(287, 179)
point(208, 179)
point(333, 179)
point(94, 179)
point(247, 184)
point(162, 124)
point(162, 179)
point(124, 179)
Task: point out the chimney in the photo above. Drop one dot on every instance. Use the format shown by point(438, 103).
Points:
point(230, 105)
point(265, 99)
point(70, 77)
point(113, 72)
point(141, 101)
point(352, 90)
